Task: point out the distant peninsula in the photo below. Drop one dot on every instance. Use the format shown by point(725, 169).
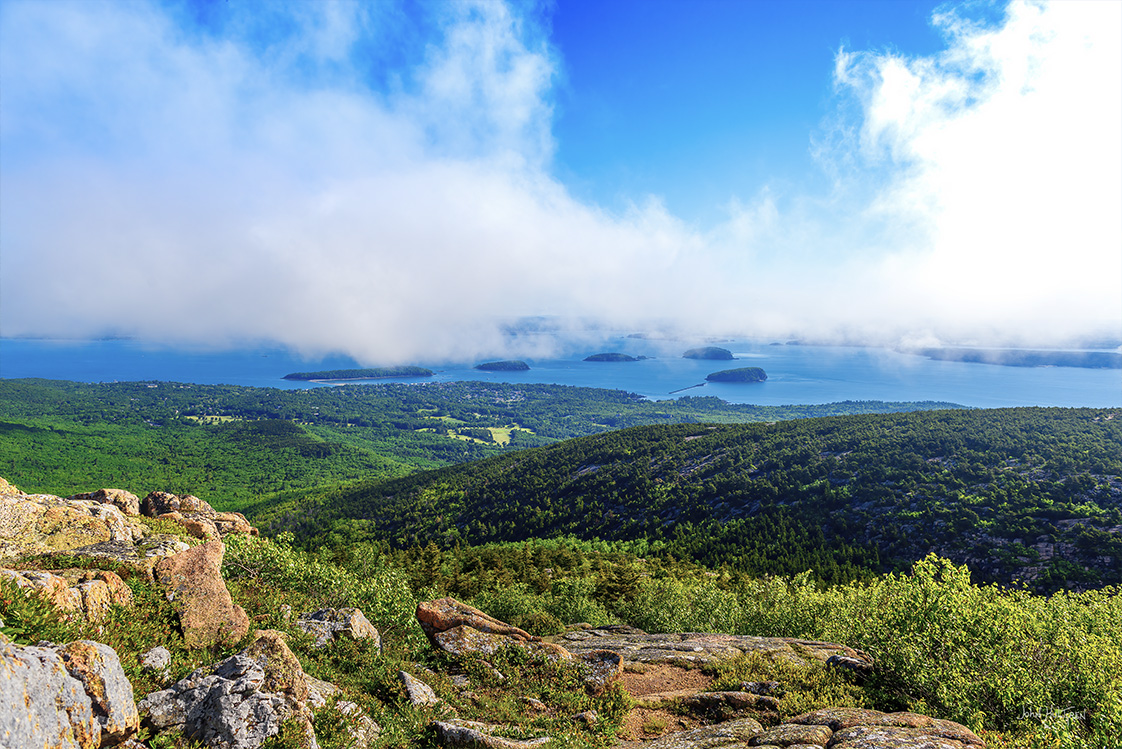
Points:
point(613, 356)
point(744, 374)
point(709, 352)
point(510, 365)
point(369, 373)
point(1024, 358)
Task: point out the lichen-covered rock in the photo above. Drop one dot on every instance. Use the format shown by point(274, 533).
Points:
point(35, 524)
point(109, 690)
point(693, 649)
point(7, 489)
point(237, 703)
point(159, 503)
point(157, 661)
point(89, 592)
point(730, 702)
point(464, 640)
point(126, 502)
point(792, 734)
point(44, 706)
point(467, 734)
point(733, 734)
point(199, 527)
point(900, 737)
point(602, 668)
point(444, 614)
point(327, 625)
point(419, 693)
point(192, 579)
point(196, 516)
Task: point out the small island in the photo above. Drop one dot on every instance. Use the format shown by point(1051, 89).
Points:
point(369, 373)
point(709, 352)
point(744, 374)
point(510, 365)
point(613, 356)
point(1025, 358)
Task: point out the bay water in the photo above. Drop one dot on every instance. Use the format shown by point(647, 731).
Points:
point(797, 374)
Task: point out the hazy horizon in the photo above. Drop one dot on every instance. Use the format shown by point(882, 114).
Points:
point(395, 181)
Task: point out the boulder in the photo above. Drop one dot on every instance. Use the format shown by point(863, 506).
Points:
point(199, 527)
point(126, 502)
point(157, 661)
point(192, 579)
point(444, 614)
point(99, 669)
point(44, 704)
point(464, 640)
point(34, 524)
point(419, 693)
point(239, 702)
point(159, 503)
point(459, 629)
point(788, 734)
point(328, 625)
point(836, 728)
point(855, 728)
point(7, 489)
point(470, 734)
point(74, 695)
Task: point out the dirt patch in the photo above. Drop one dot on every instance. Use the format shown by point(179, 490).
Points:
point(652, 722)
point(647, 723)
point(665, 678)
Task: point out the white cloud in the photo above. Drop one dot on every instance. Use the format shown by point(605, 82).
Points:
point(214, 186)
point(1006, 152)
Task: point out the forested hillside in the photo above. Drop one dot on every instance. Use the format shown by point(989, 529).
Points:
point(238, 445)
point(1026, 495)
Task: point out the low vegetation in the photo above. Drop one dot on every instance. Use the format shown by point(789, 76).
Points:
point(1025, 671)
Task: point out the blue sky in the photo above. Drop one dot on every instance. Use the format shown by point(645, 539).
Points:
point(704, 101)
point(398, 178)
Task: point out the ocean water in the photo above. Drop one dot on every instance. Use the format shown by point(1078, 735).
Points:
point(796, 374)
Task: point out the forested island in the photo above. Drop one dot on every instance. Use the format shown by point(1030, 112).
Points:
point(743, 374)
point(367, 373)
point(1025, 358)
point(709, 352)
point(613, 357)
point(510, 365)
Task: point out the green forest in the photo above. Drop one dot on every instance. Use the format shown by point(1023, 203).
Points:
point(1026, 496)
point(240, 445)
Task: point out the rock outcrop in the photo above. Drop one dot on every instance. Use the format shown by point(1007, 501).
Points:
point(88, 525)
point(73, 695)
point(196, 516)
point(831, 728)
point(694, 650)
point(90, 593)
point(193, 580)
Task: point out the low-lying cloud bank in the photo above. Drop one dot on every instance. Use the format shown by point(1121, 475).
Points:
point(248, 176)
